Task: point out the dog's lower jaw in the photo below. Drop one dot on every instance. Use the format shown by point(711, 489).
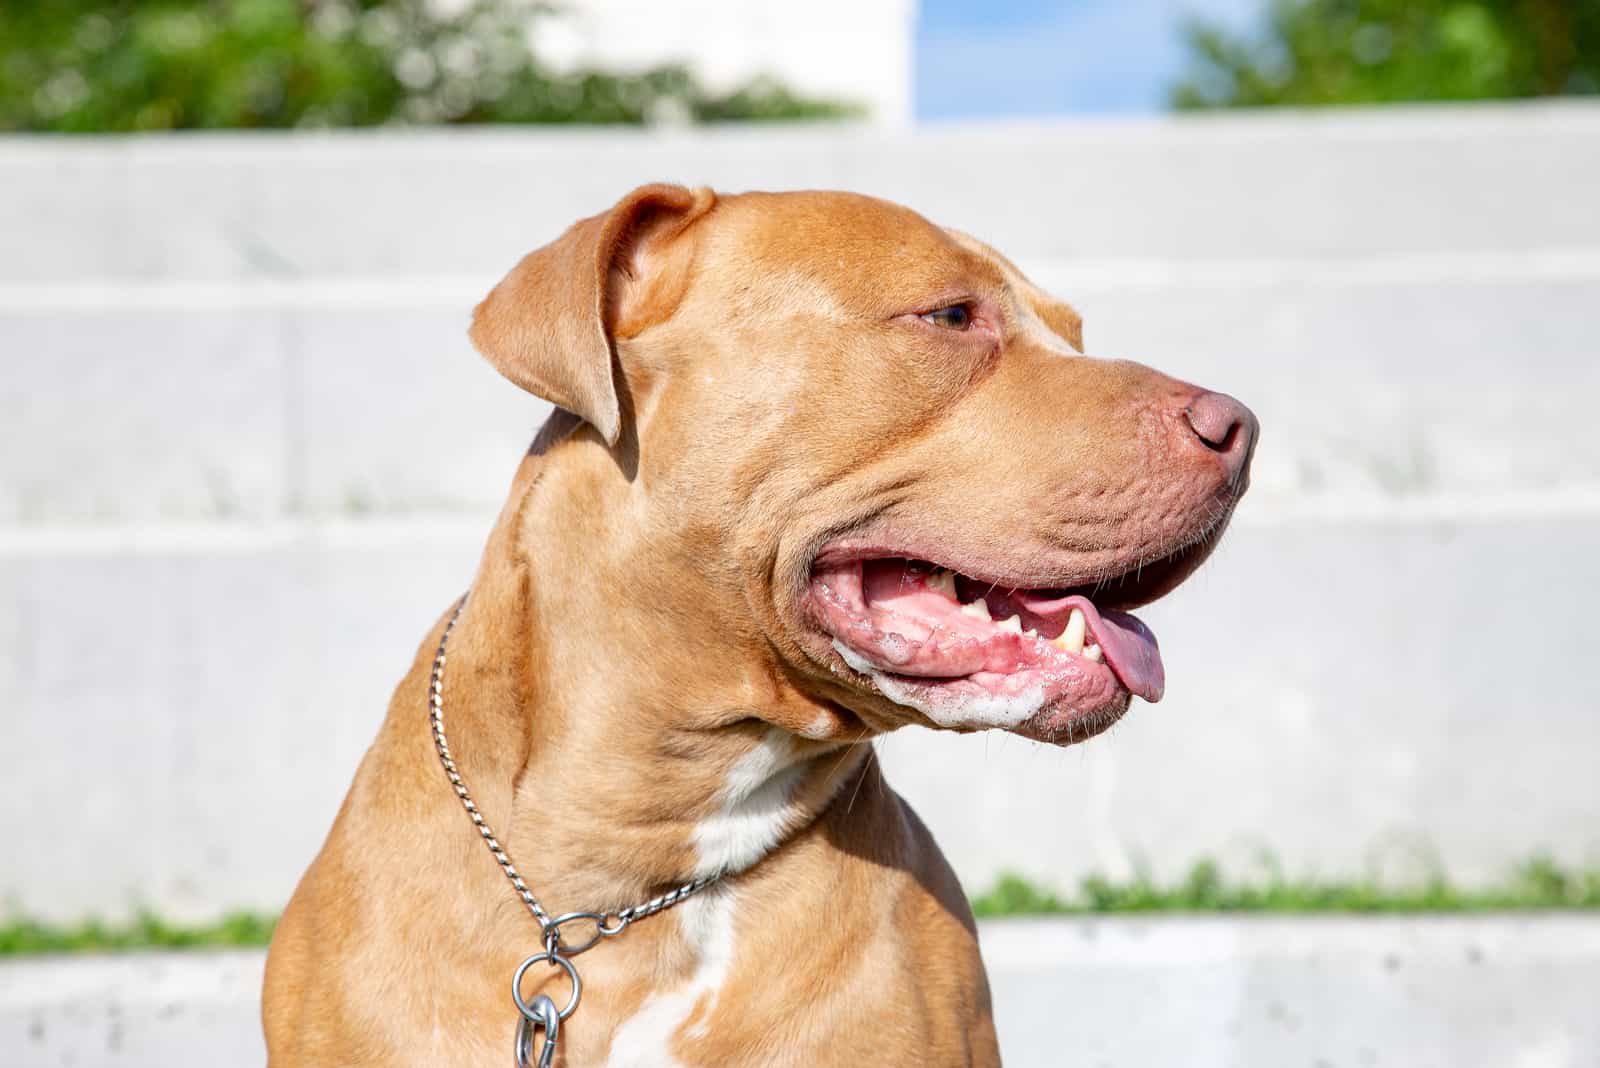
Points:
point(1028, 713)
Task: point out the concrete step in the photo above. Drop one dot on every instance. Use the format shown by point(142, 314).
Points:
point(1217, 992)
point(1422, 992)
point(185, 402)
point(1435, 180)
point(193, 704)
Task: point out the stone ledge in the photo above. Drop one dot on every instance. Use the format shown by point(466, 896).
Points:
point(1118, 992)
point(1338, 182)
point(291, 404)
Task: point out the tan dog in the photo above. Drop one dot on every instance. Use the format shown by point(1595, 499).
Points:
point(838, 470)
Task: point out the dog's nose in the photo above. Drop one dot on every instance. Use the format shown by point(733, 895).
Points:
point(1224, 426)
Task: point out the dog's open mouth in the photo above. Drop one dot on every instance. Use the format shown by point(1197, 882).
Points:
point(968, 653)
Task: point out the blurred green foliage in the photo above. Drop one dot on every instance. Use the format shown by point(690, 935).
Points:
point(123, 65)
point(1536, 884)
point(1315, 52)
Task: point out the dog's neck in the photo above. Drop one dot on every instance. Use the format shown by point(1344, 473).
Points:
point(622, 767)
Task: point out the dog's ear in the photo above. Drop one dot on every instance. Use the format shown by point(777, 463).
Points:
point(549, 325)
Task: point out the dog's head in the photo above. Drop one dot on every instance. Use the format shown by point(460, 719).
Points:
point(896, 480)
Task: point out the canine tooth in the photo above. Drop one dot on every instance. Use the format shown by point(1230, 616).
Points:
point(1071, 639)
point(978, 609)
point(1091, 652)
point(1011, 623)
point(943, 581)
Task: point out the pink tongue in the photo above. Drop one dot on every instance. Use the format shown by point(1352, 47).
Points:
point(1131, 652)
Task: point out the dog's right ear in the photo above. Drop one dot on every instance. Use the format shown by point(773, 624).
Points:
point(548, 326)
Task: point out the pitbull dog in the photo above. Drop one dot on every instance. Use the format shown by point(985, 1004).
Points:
point(821, 469)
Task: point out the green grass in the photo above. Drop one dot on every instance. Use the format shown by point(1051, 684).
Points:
point(1537, 884)
point(24, 936)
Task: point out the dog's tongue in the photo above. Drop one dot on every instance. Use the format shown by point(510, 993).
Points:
point(1131, 652)
point(1129, 646)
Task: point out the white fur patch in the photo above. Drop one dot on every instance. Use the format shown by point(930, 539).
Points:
point(645, 1038)
point(954, 710)
point(820, 728)
point(755, 808)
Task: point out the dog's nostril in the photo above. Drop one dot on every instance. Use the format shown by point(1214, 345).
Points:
point(1221, 422)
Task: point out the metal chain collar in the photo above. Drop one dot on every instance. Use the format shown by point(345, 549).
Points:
point(541, 1012)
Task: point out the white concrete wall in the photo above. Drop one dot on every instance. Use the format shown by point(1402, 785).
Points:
point(248, 456)
point(1201, 992)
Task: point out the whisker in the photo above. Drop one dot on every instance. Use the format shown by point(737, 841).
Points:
point(844, 751)
point(861, 774)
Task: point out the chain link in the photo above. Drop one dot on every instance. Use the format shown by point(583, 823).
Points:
point(549, 927)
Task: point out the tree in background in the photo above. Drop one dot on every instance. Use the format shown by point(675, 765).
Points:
point(1374, 51)
point(95, 65)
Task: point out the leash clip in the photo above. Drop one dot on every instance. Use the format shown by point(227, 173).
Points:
point(545, 1018)
point(541, 1013)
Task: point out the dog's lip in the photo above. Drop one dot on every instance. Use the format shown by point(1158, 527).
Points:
point(845, 551)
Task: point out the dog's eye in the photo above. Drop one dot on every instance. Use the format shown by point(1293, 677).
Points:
point(954, 317)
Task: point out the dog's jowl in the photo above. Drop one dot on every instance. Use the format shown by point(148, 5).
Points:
point(819, 470)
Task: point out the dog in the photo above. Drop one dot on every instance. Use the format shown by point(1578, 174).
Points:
point(819, 469)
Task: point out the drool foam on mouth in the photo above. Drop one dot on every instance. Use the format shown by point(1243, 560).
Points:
point(1002, 654)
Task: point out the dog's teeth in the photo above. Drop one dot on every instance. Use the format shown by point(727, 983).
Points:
point(1091, 652)
point(1071, 639)
point(1030, 632)
point(1011, 623)
point(943, 581)
point(978, 609)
